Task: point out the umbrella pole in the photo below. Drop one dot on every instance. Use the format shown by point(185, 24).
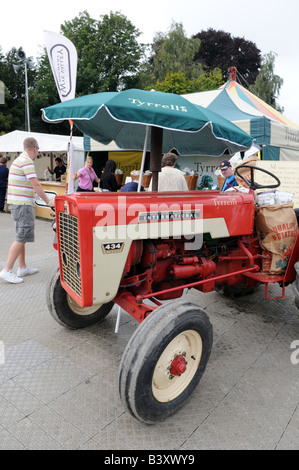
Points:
point(143, 159)
point(156, 155)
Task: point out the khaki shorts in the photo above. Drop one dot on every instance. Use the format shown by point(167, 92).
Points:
point(24, 219)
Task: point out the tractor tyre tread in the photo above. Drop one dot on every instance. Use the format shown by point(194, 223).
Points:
point(146, 341)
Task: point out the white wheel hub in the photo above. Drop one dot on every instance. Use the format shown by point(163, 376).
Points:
point(81, 310)
point(177, 366)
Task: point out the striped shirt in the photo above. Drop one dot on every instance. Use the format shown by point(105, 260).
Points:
point(20, 190)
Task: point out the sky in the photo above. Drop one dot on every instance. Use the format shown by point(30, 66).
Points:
point(271, 24)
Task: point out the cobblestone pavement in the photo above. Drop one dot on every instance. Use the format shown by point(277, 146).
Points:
point(59, 390)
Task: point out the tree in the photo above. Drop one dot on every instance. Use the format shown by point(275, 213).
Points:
point(108, 51)
point(267, 85)
point(171, 67)
point(108, 56)
point(13, 111)
point(173, 53)
point(219, 49)
point(176, 82)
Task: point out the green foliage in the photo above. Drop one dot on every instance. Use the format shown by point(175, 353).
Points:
point(172, 67)
point(110, 58)
point(108, 51)
point(173, 53)
point(13, 111)
point(206, 182)
point(176, 82)
point(267, 85)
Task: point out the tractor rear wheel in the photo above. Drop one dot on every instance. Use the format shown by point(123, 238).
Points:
point(165, 360)
point(67, 312)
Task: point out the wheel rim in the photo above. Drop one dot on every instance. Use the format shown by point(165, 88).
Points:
point(84, 311)
point(177, 366)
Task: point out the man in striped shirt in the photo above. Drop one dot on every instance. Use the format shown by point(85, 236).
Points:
point(22, 186)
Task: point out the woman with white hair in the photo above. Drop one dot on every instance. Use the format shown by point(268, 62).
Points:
point(170, 178)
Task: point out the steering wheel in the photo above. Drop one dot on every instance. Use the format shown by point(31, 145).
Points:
point(251, 183)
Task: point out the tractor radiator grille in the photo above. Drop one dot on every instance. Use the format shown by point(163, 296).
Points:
point(69, 251)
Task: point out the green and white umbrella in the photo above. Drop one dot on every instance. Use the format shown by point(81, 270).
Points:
point(151, 120)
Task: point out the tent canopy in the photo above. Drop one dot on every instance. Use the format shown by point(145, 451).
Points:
point(50, 146)
point(13, 142)
point(277, 134)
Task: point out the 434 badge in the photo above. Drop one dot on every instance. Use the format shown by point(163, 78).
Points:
point(116, 247)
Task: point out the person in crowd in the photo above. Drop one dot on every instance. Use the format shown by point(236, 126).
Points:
point(228, 173)
point(108, 181)
point(22, 186)
point(86, 176)
point(3, 181)
point(170, 178)
point(132, 186)
point(59, 169)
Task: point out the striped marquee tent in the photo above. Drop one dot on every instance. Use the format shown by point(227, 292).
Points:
point(278, 136)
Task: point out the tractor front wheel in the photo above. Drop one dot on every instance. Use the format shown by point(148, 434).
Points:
point(165, 360)
point(67, 312)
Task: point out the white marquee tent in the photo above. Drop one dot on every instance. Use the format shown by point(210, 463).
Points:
point(50, 147)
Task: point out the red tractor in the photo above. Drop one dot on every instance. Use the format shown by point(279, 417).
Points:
point(138, 250)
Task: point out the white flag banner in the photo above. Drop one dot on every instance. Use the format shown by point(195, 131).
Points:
point(63, 59)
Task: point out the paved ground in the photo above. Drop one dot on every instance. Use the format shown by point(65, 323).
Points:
point(58, 388)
